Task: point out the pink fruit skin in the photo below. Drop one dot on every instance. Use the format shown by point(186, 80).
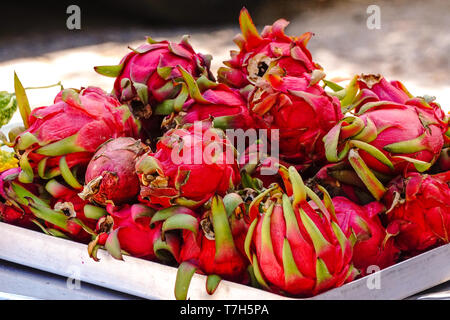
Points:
point(399, 116)
point(202, 252)
point(224, 105)
point(140, 69)
point(8, 212)
point(135, 234)
point(179, 182)
point(304, 256)
point(115, 162)
point(423, 212)
point(374, 245)
point(302, 112)
point(272, 46)
point(230, 262)
point(408, 131)
point(277, 228)
point(91, 114)
point(403, 124)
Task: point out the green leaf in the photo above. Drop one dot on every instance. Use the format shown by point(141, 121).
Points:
point(94, 212)
point(67, 174)
point(22, 100)
point(420, 166)
point(319, 242)
point(258, 274)
point(184, 275)
point(112, 245)
point(61, 147)
point(350, 92)
point(212, 282)
point(166, 213)
point(249, 238)
point(371, 182)
point(332, 85)
point(181, 221)
point(298, 186)
point(373, 151)
point(290, 268)
point(194, 90)
point(408, 146)
point(222, 230)
point(109, 71)
point(231, 202)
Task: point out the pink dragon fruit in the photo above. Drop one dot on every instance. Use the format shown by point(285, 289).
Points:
point(302, 112)
point(387, 137)
point(127, 230)
point(175, 173)
point(66, 134)
point(205, 100)
point(293, 248)
point(67, 200)
point(144, 77)
point(110, 175)
point(82, 217)
point(259, 52)
point(12, 209)
point(374, 245)
point(55, 209)
point(419, 205)
point(216, 250)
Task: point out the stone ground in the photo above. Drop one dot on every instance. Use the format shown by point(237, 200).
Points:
point(412, 45)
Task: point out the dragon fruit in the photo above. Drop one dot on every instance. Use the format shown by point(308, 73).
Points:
point(110, 175)
point(127, 230)
point(374, 246)
point(144, 77)
point(419, 205)
point(259, 52)
point(205, 100)
point(216, 250)
point(302, 112)
point(387, 137)
point(175, 173)
point(293, 248)
point(66, 200)
point(55, 208)
point(12, 210)
point(66, 134)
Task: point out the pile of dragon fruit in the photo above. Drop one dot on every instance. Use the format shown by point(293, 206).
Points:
point(361, 180)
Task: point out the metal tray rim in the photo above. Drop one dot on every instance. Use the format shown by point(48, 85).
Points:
point(62, 257)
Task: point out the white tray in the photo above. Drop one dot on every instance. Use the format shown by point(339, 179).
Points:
point(152, 280)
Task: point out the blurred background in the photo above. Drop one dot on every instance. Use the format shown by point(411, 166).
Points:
point(412, 44)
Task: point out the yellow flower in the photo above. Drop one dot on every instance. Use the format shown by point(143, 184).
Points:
point(7, 160)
